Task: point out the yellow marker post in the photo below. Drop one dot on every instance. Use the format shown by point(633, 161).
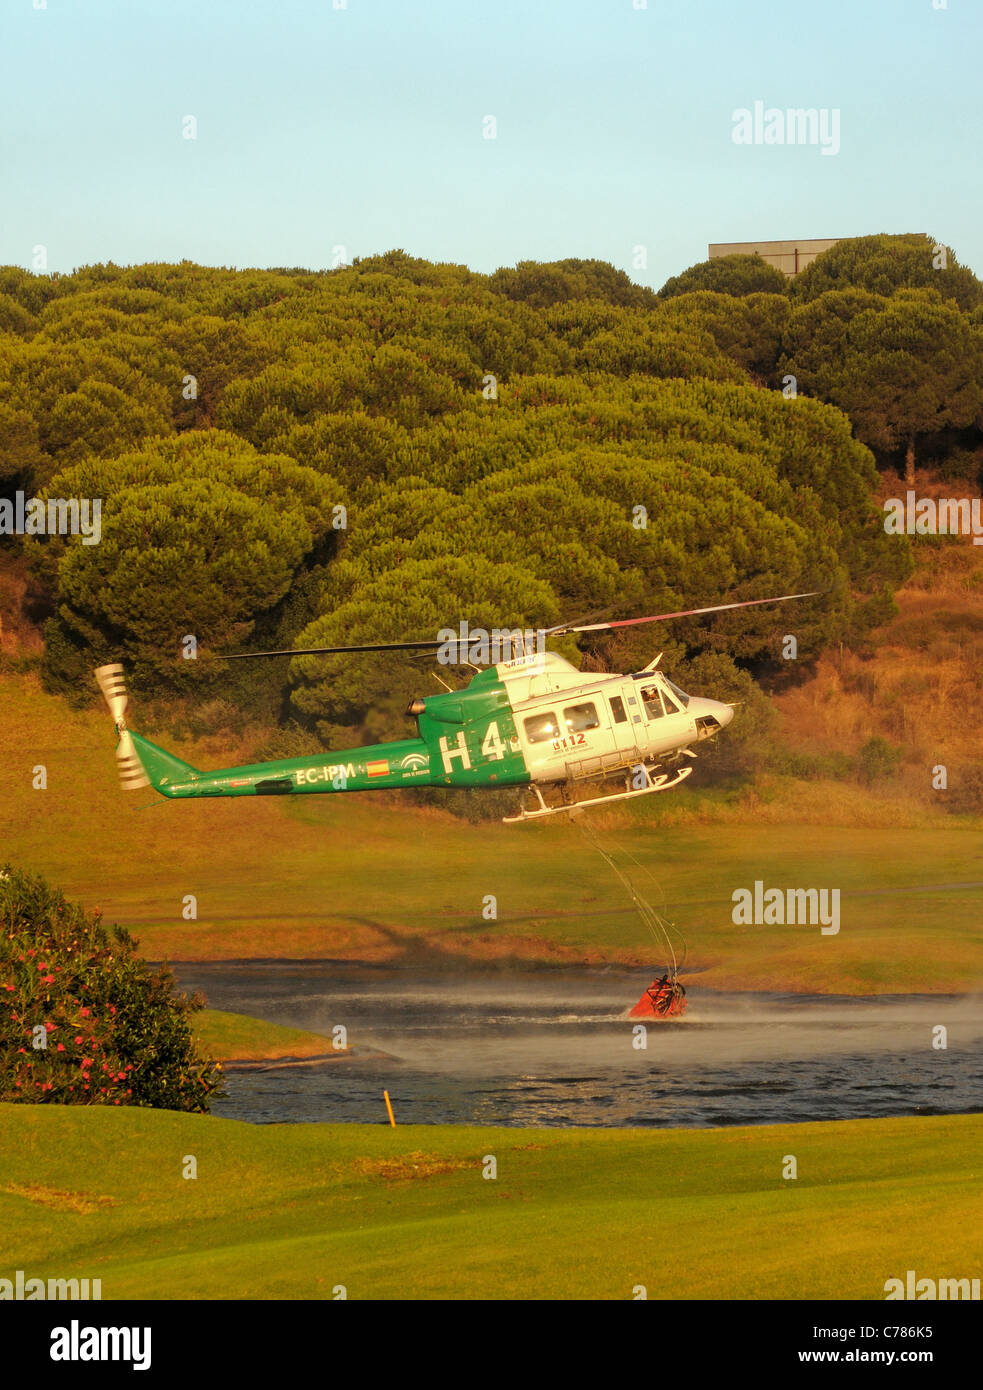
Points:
point(392, 1117)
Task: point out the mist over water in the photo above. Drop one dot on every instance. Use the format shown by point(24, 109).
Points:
point(554, 1048)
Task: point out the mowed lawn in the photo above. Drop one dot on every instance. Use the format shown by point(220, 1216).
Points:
point(359, 877)
point(296, 1211)
point(225, 1035)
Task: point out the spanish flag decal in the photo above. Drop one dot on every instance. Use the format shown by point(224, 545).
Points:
point(380, 769)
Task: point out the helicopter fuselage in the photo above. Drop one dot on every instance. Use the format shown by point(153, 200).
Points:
point(533, 720)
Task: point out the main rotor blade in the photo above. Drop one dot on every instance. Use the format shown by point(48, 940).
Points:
point(435, 645)
point(684, 613)
point(330, 651)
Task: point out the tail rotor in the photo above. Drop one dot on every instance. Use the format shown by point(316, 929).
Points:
point(113, 686)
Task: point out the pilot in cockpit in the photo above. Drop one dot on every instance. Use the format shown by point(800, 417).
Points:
point(652, 702)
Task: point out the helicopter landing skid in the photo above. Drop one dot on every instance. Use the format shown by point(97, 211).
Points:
point(661, 783)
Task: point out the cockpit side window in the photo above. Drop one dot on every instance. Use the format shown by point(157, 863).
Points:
point(652, 701)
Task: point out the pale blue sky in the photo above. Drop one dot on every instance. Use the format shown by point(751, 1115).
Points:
point(361, 127)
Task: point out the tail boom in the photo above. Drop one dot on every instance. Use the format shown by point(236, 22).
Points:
point(401, 764)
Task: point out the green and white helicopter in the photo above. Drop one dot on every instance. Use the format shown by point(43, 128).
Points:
point(533, 722)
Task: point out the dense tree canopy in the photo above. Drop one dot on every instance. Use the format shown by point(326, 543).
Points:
point(201, 534)
point(902, 368)
point(737, 274)
point(287, 457)
point(885, 264)
point(747, 328)
point(542, 285)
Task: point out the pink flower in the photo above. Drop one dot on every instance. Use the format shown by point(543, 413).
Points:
point(61, 1047)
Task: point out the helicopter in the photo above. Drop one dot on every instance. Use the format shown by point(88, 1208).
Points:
point(533, 722)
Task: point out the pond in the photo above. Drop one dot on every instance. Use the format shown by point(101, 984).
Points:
point(552, 1048)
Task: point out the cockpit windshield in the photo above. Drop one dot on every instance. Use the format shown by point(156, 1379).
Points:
point(680, 694)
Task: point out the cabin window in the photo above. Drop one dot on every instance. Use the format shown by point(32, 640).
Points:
point(580, 717)
point(618, 709)
point(652, 701)
point(542, 727)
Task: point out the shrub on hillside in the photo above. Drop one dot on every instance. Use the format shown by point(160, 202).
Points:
point(877, 758)
point(964, 795)
point(84, 1021)
point(962, 466)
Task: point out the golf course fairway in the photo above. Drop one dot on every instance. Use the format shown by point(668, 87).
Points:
point(309, 1211)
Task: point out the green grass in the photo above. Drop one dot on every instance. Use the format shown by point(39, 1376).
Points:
point(293, 1211)
point(353, 877)
point(238, 1037)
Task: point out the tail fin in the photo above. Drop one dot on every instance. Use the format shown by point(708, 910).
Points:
point(140, 762)
point(162, 767)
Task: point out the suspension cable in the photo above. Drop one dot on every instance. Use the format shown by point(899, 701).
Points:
point(660, 927)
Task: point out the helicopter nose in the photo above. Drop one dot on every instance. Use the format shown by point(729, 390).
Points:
point(711, 716)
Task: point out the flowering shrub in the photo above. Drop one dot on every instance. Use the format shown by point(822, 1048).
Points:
point(83, 1020)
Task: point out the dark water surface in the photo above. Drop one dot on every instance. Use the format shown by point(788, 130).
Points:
point(549, 1048)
